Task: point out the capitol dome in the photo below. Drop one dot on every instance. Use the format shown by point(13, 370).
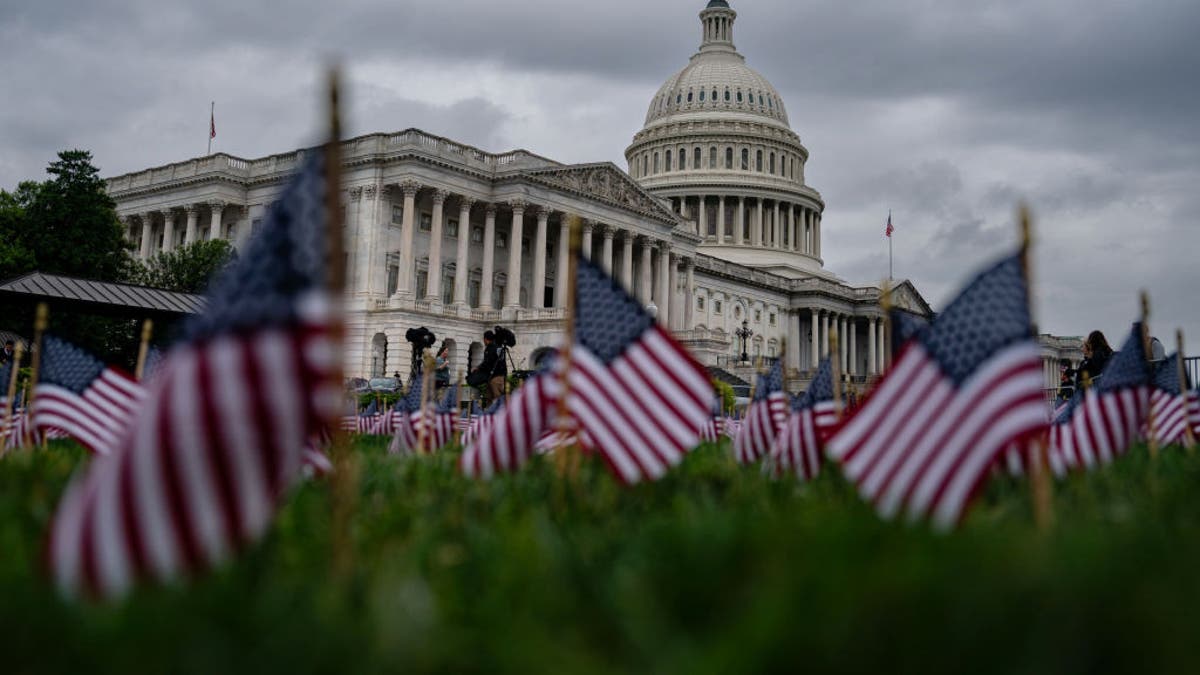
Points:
point(717, 143)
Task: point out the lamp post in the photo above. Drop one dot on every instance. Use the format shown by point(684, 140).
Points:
point(744, 332)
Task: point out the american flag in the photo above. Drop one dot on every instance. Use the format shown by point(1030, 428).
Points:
point(1102, 421)
point(399, 422)
point(890, 229)
point(221, 436)
point(733, 425)
point(1193, 408)
point(511, 433)
point(799, 447)
point(961, 391)
point(1168, 404)
point(638, 395)
point(482, 423)
point(80, 396)
point(715, 426)
point(904, 326)
point(764, 418)
point(435, 427)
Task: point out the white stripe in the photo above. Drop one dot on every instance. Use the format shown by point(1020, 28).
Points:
point(151, 507)
point(191, 445)
point(113, 564)
point(239, 440)
point(864, 422)
point(285, 405)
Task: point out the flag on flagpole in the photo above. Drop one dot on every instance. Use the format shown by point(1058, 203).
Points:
point(506, 438)
point(1102, 421)
point(888, 232)
point(764, 418)
point(80, 396)
point(800, 446)
point(221, 436)
point(638, 397)
point(1168, 404)
point(960, 392)
point(212, 122)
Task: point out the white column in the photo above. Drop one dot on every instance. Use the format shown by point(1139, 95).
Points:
point(817, 233)
point(872, 365)
point(843, 343)
point(168, 230)
point(537, 294)
point(721, 219)
point(358, 273)
point(852, 328)
point(702, 217)
point(882, 349)
point(793, 337)
point(824, 333)
point(147, 234)
point(193, 218)
point(673, 293)
point(806, 225)
point(462, 271)
point(489, 257)
point(585, 244)
point(647, 273)
point(739, 221)
point(689, 293)
point(562, 264)
point(433, 289)
point(816, 341)
point(627, 262)
point(664, 279)
point(407, 273)
point(606, 251)
point(512, 292)
point(776, 227)
point(756, 226)
point(214, 227)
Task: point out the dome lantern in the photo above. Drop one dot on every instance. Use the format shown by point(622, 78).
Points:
point(717, 19)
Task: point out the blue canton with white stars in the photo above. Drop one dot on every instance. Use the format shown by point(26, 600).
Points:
point(449, 402)
point(769, 382)
point(411, 402)
point(990, 314)
point(371, 409)
point(905, 326)
point(821, 388)
point(607, 319)
point(495, 407)
point(68, 366)
point(283, 261)
point(1126, 368)
point(1166, 376)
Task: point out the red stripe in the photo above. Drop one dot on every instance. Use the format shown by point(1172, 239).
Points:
point(214, 455)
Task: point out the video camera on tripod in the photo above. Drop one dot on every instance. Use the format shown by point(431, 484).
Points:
point(495, 358)
point(421, 339)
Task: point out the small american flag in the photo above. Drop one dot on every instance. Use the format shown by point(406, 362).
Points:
point(1168, 404)
point(957, 395)
point(1102, 421)
point(221, 436)
point(635, 392)
point(764, 418)
point(80, 396)
point(1193, 412)
point(799, 447)
point(482, 423)
point(888, 232)
point(510, 435)
point(713, 429)
point(399, 422)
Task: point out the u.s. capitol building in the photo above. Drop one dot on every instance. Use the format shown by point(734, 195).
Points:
point(713, 224)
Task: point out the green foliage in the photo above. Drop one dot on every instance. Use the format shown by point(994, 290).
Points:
point(187, 269)
point(725, 391)
point(386, 400)
point(715, 569)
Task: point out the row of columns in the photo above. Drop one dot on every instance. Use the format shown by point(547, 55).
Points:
point(846, 326)
point(785, 227)
point(659, 266)
point(148, 247)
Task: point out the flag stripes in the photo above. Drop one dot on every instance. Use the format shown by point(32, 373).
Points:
point(514, 430)
point(1103, 426)
point(98, 417)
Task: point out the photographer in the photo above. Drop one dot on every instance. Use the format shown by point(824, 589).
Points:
point(421, 339)
point(494, 369)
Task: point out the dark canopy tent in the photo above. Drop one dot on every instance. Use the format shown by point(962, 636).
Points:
point(103, 298)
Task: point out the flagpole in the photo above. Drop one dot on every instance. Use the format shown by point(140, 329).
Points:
point(143, 349)
point(890, 229)
point(212, 118)
point(9, 431)
point(1148, 354)
point(1189, 440)
point(41, 320)
point(1041, 491)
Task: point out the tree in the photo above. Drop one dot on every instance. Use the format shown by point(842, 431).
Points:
point(15, 258)
point(188, 268)
point(69, 223)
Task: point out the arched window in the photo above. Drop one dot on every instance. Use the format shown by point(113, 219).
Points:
point(772, 163)
point(645, 164)
point(689, 96)
point(682, 159)
point(702, 96)
point(757, 161)
point(678, 98)
point(696, 158)
point(667, 163)
point(770, 102)
point(727, 96)
point(739, 95)
point(793, 168)
point(728, 158)
point(712, 157)
point(714, 98)
point(751, 98)
point(745, 159)
point(656, 168)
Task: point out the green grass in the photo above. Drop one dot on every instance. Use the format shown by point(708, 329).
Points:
point(712, 570)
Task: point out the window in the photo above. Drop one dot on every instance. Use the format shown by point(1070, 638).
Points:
point(645, 164)
point(716, 306)
point(726, 95)
point(452, 228)
point(655, 162)
point(682, 159)
point(696, 158)
point(700, 303)
point(758, 161)
point(772, 163)
point(737, 312)
point(477, 235)
point(702, 96)
point(447, 289)
point(497, 296)
point(501, 240)
point(739, 95)
point(728, 158)
point(473, 293)
point(689, 97)
point(524, 245)
point(393, 271)
point(422, 283)
point(751, 98)
point(758, 316)
point(793, 168)
point(668, 161)
point(678, 99)
point(771, 319)
point(255, 226)
point(771, 351)
point(426, 222)
point(745, 159)
point(714, 98)
point(712, 157)
point(397, 215)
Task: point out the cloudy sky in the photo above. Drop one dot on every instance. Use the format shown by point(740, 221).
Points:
point(947, 112)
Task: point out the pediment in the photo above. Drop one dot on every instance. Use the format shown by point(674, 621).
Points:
point(604, 181)
point(905, 296)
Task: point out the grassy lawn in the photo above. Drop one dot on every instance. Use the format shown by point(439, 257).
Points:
point(713, 570)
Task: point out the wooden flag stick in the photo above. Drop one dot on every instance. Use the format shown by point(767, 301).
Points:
point(1040, 488)
point(143, 348)
point(41, 320)
point(1148, 353)
point(837, 373)
point(1189, 439)
point(10, 401)
point(567, 458)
